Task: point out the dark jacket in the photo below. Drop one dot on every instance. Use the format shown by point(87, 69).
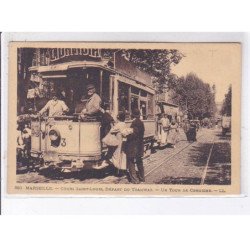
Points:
point(106, 121)
point(135, 145)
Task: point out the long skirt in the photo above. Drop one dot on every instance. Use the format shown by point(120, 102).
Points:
point(172, 136)
point(164, 136)
point(119, 157)
point(192, 134)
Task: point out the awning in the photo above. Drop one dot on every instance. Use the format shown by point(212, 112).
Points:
point(170, 110)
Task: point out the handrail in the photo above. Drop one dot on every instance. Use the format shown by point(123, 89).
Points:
point(75, 117)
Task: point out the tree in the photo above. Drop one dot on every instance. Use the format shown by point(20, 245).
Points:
point(155, 62)
point(195, 97)
point(227, 103)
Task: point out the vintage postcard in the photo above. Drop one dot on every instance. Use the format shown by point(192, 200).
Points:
point(124, 119)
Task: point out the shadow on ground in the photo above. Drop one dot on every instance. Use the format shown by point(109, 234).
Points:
point(219, 165)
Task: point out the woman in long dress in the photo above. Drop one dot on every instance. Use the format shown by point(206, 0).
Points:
point(116, 155)
point(165, 123)
point(172, 134)
point(186, 128)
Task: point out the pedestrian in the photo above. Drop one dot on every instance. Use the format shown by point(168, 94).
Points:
point(55, 107)
point(165, 124)
point(135, 149)
point(186, 128)
point(116, 154)
point(172, 134)
point(93, 104)
point(192, 131)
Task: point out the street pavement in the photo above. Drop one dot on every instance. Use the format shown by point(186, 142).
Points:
point(206, 161)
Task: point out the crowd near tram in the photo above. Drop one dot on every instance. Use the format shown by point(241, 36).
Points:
point(82, 113)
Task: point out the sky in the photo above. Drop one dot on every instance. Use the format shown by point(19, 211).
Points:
point(214, 63)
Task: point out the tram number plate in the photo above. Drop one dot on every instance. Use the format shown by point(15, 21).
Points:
point(63, 143)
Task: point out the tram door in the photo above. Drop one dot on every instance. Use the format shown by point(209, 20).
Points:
point(75, 88)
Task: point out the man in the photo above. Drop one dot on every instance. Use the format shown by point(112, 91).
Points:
point(135, 149)
point(93, 105)
point(107, 121)
point(55, 107)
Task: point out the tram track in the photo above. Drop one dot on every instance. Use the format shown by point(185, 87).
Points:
point(165, 160)
point(168, 158)
point(203, 177)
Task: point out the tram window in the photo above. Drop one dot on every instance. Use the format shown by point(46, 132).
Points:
point(123, 97)
point(150, 106)
point(144, 93)
point(143, 109)
point(135, 90)
point(134, 103)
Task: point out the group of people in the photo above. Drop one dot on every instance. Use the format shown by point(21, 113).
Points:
point(125, 145)
point(57, 107)
point(169, 131)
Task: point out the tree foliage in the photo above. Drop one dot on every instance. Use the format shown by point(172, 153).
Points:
point(227, 103)
point(189, 92)
point(155, 62)
point(195, 96)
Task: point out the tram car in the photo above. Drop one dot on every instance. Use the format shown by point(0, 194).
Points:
point(70, 142)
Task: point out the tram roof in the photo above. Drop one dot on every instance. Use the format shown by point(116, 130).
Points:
point(60, 67)
point(70, 65)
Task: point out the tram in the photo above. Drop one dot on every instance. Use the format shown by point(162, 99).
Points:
point(70, 142)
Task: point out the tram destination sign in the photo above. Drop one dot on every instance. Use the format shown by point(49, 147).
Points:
point(58, 54)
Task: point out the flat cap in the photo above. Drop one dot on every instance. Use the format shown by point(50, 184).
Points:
point(90, 86)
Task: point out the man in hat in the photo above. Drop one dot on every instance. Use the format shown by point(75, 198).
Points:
point(135, 149)
point(93, 105)
point(55, 107)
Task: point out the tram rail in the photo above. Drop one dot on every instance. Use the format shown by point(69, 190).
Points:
point(166, 159)
point(207, 163)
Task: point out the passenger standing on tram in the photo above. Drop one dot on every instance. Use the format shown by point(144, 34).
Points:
point(93, 105)
point(55, 107)
point(135, 149)
point(165, 124)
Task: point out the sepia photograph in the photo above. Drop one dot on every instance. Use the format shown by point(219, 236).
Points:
point(124, 118)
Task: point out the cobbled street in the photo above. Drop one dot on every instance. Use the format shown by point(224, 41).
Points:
point(206, 161)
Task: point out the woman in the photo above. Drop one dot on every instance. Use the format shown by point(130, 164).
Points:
point(172, 134)
point(193, 129)
point(116, 154)
point(186, 128)
point(165, 123)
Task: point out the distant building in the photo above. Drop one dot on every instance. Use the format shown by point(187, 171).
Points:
point(167, 106)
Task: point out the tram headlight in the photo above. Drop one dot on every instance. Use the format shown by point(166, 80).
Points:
point(54, 135)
